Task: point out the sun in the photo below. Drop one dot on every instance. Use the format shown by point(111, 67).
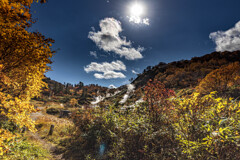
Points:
point(136, 9)
point(137, 13)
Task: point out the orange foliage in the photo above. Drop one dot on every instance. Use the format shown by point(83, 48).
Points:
point(220, 79)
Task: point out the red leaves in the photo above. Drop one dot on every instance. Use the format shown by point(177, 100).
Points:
point(157, 97)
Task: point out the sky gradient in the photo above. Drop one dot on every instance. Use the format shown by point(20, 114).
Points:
point(97, 41)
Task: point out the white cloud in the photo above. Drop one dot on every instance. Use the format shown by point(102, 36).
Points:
point(146, 21)
point(109, 40)
point(93, 29)
point(112, 86)
point(134, 72)
point(108, 69)
point(227, 40)
point(139, 20)
point(109, 75)
point(94, 54)
point(105, 66)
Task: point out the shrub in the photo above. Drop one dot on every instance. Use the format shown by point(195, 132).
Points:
point(73, 102)
point(158, 99)
point(24, 149)
point(164, 127)
point(52, 111)
point(207, 127)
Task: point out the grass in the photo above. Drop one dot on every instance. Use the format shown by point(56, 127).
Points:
point(40, 145)
point(63, 128)
point(46, 144)
point(27, 149)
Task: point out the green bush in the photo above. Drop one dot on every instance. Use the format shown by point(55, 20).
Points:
point(22, 149)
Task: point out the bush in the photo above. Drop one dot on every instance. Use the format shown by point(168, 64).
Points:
point(207, 127)
point(23, 149)
point(52, 111)
point(164, 127)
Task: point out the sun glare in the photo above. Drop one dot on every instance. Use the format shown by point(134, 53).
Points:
point(136, 9)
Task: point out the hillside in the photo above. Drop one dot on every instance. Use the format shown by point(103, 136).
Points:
point(186, 73)
point(176, 75)
point(179, 75)
point(84, 94)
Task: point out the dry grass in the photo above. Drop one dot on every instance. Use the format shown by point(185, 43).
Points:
point(54, 105)
point(63, 128)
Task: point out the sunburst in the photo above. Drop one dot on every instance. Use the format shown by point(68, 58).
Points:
point(136, 10)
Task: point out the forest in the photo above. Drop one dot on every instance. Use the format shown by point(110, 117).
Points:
point(186, 109)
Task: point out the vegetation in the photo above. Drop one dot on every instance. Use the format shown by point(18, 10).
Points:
point(207, 127)
point(221, 80)
point(190, 127)
point(199, 121)
point(186, 73)
point(24, 57)
point(25, 149)
point(63, 128)
point(52, 111)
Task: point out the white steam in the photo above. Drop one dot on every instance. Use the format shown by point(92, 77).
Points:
point(131, 88)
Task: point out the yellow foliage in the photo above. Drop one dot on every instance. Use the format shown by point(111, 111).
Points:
point(23, 61)
point(73, 102)
point(206, 123)
point(6, 136)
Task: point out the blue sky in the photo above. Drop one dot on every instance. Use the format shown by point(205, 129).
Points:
point(168, 30)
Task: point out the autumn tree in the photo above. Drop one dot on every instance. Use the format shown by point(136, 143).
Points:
point(157, 97)
point(24, 57)
point(221, 79)
point(73, 102)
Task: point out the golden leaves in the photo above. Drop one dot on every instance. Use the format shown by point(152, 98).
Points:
point(23, 61)
point(5, 136)
point(73, 102)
